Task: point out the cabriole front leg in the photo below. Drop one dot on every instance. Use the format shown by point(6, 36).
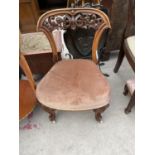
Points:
point(98, 112)
point(52, 113)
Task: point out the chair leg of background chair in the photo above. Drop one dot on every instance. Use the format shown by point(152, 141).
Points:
point(125, 90)
point(98, 112)
point(131, 104)
point(106, 55)
point(119, 60)
point(52, 113)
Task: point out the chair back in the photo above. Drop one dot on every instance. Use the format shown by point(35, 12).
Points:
point(72, 18)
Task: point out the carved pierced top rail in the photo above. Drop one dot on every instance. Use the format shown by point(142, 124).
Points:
point(74, 18)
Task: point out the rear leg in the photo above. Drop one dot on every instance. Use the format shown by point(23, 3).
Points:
point(131, 104)
point(125, 90)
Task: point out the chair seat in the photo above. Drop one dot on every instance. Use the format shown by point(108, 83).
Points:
point(74, 85)
point(37, 42)
point(130, 43)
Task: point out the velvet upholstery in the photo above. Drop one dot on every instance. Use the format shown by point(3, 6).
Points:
point(74, 85)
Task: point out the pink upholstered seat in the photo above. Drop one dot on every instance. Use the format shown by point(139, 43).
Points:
point(74, 85)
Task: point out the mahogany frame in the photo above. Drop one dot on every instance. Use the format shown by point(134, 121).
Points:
point(27, 97)
point(74, 17)
point(125, 51)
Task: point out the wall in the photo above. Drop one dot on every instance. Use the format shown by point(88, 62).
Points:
point(119, 19)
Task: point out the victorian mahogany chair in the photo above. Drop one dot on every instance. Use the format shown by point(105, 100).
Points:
point(28, 46)
point(27, 97)
point(128, 49)
point(77, 84)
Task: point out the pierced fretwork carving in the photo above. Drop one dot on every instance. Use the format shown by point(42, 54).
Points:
point(72, 18)
point(78, 20)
